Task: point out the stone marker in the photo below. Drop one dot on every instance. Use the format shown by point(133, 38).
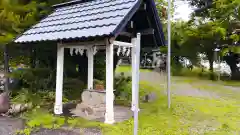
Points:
point(150, 97)
point(93, 105)
point(4, 102)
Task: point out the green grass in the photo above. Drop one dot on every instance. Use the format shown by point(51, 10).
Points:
point(129, 69)
point(187, 116)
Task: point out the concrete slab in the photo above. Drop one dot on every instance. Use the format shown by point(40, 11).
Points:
point(120, 114)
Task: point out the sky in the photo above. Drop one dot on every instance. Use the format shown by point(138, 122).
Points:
point(183, 10)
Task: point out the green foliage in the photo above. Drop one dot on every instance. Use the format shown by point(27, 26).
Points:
point(73, 88)
point(15, 17)
point(122, 85)
point(99, 66)
point(36, 99)
point(196, 72)
point(25, 96)
point(35, 79)
point(40, 118)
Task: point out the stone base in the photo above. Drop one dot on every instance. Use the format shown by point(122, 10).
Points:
point(120, 114)
point(93, 105)
point(89, 112)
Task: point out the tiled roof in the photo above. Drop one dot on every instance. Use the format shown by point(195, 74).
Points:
point(82, 20)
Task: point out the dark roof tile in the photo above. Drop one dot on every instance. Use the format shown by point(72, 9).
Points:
point(83, 20)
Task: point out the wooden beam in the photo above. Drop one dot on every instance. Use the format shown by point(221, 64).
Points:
point(118, 43)
point(149, 31)
point(88, 43)
point(127, 34)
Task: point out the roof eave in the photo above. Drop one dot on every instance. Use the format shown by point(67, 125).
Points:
point(158, 21)
point(126, 19)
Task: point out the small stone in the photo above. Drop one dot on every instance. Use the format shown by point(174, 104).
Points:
point(150, 97)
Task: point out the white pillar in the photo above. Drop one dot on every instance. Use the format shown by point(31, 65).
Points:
point(59, 80)
point(109, 115)
point(133, 69)
point(136, 90)
point(90, 67)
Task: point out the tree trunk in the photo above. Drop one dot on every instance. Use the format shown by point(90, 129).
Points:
point(210, 59)
point(232, 60)
point(6, 68)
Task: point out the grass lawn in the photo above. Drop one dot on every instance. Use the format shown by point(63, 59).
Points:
point(129, 69)
point(187, 116)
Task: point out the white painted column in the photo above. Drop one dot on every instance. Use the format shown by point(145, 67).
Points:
point(133, 71)
point(136, 90)
point(59, 80)
point(90, 67)
point(109, 115)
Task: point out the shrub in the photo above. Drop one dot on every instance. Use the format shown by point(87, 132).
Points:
point(122, 85)
point(26, 96)
point(99, 66)
point(73, 88)
point(123, 93)
point(35, 79)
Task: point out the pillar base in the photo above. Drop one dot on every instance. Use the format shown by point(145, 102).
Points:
point(58, 109)
point(110, 122)
point(134, 108)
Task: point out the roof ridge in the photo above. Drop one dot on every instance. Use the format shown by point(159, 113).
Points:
point(70, 3)
point(100, 7)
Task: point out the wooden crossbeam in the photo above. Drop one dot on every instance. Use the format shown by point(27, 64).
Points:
point(149, 31)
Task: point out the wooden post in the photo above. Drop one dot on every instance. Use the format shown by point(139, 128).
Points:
point(136, 90)
point(90, 67)
point(109, 115)
point(133, 73)
point(59, 80)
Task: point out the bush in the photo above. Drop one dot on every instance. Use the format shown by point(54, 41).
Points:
point(123, 93)
point(123, 85)
point(73, 88)
point(35, 79)
point(99, 66)
point(196, 72)
point(26, 96)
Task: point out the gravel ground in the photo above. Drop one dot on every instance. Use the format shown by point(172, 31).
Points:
point(8, 126)
point(68, 131)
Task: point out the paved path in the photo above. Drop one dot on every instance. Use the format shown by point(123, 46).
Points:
point(182, 89)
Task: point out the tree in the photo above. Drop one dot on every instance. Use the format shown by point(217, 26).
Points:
point(226, 13)
point(15, 17)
